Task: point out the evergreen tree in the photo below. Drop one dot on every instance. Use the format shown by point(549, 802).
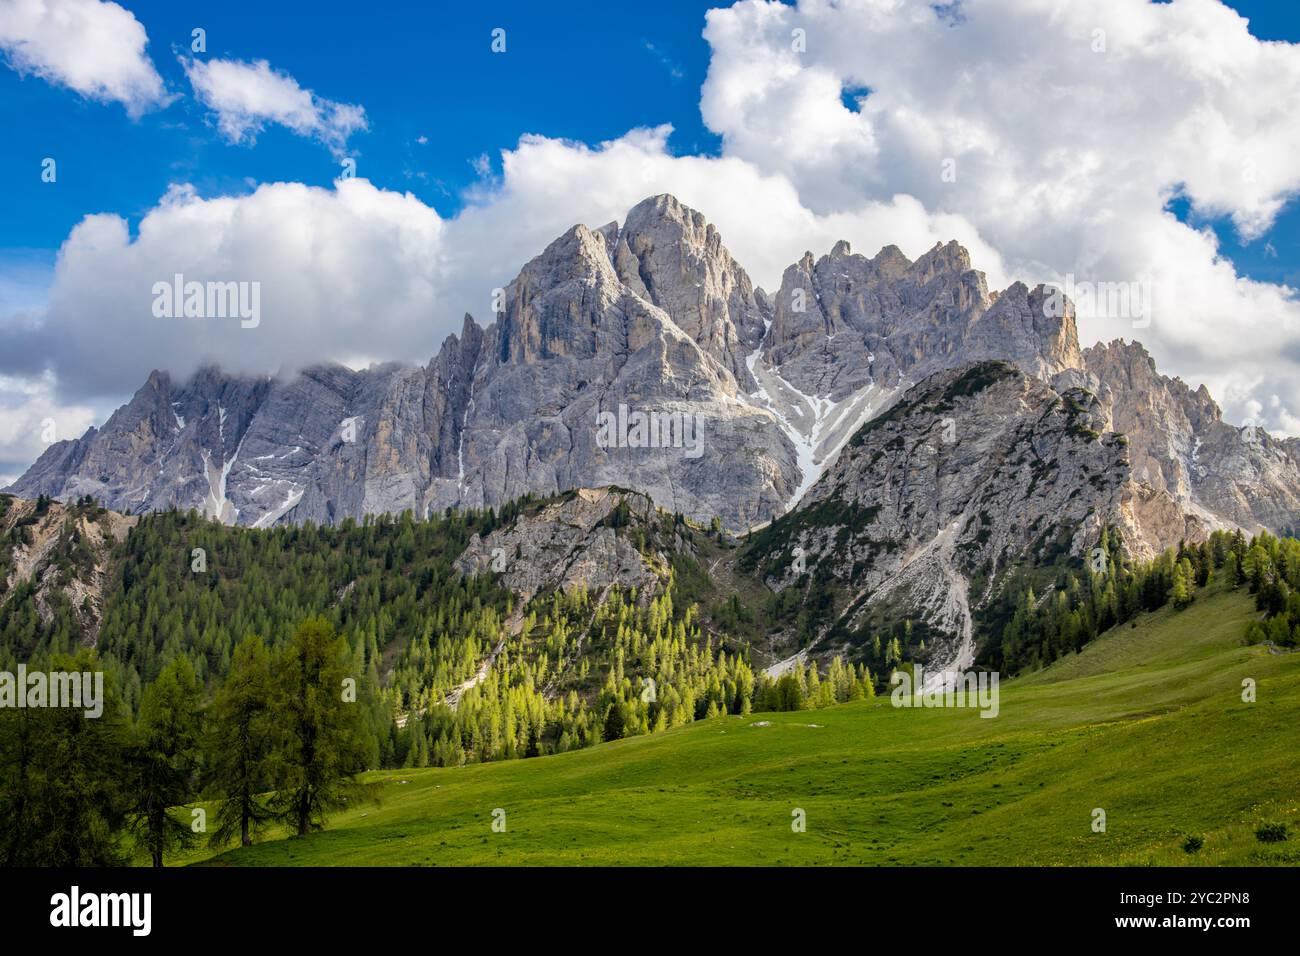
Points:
point(613, 722)
point(1184, 584)
point(164, 759)
point(242, 730)
point(321, 750)
point(62, 802)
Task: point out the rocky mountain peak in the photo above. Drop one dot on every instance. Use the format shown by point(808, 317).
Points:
point(950, 258)
point(548, 305)
point(891, 263)
point(158, 381)
point(752, 396)
point(686, 270)
point(893, 320)
point(1127, 366)
point(579, 253)
point(1230, 476)
point(1121, 352)
point(666, 256)
point(655, 210)
point(608, 234)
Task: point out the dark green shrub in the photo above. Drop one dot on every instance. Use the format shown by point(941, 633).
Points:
point(1271, 833)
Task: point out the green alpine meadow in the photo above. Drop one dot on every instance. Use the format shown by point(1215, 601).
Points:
point(1147, 723)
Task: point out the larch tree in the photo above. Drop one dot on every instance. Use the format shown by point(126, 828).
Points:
point(322, 751)
point(164, 759)
point(241, 739)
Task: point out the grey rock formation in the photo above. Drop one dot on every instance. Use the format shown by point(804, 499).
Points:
point(1224, 475)
point(571, 543)
point(652, 320)
point(169, 446)
point(653, 323)
point(678, 262)
point(576, 342)
point(974, 470)
point(849, 334)
point(35, 541)
point(846, 321)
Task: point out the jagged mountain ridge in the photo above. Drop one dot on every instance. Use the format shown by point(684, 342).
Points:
point(657, 316)
point(1180, 443)
point(972, 471)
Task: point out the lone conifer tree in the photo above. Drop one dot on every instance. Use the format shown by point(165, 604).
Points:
point(241, 744)
point(164, 759)
point(322, 750)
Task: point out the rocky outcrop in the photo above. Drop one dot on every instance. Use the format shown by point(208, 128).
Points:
point(62, 552)
point(578, 541)
point(1226, 476)
point(974, 470)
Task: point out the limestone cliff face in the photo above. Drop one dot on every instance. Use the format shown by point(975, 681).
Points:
point(1224, 475)
point(167, 446)
point(974, 470)
point(750, 397)
point(681, 264)
point(845, 321)
point(321, 445)
point(576, 342)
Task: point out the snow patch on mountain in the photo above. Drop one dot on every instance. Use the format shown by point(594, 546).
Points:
point(816, 426)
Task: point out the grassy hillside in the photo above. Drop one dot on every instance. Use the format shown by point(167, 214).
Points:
point(1147, 723)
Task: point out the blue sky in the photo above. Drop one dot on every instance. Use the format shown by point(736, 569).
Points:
point(441, 107)
point(1274, 257)
point(579, 70)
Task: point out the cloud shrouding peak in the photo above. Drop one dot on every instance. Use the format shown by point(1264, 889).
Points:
point(337, 272)
point(247, 96)
point(1061, 131)
point(94, 48)
point(31, 417)
point(356, 270)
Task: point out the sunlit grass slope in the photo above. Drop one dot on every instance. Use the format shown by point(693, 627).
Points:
point(1147, 723)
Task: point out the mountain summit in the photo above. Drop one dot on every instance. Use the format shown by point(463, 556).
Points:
point(720, 399)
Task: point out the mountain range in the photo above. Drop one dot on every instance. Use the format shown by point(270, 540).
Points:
point(656, 315)
point(909, 431)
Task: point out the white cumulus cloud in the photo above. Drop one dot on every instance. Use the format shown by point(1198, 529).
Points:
point(92, 47)
point(247, 96)
point(1061, 131)
point(358, 272)
point(341, 271)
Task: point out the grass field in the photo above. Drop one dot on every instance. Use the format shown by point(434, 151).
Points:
point(1146, 723)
